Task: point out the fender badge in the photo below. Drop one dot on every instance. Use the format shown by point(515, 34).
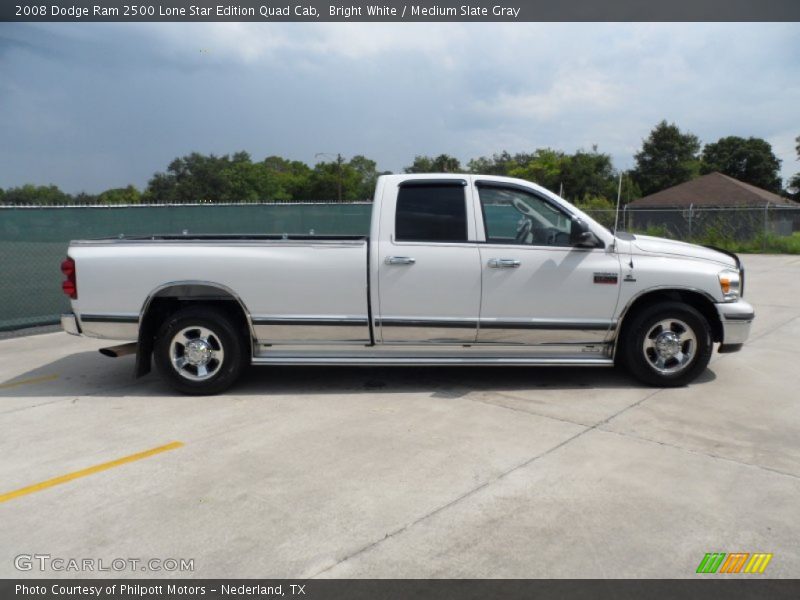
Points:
point(610, 278)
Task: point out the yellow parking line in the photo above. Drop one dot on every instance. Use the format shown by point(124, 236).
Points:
point(38, 487)
point(28, 381)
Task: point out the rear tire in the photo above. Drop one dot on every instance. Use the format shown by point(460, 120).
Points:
point(666, 345)
point(200, 351)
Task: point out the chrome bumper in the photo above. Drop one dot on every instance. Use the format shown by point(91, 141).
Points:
point(736, 319)
point(69, 323)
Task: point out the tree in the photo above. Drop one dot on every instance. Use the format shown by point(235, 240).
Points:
point(126, 195)
point(29, 194)
point(348, 181)
point(668, 157)
point(367, 171)
point(499, 164)
point(750, 160)
point(794, 182)
point(444, 163)
point(291, 178)
point(546, 168)
point(589, 174)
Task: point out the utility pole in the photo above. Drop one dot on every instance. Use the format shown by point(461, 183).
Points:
point(339, 164)
point(339, 161)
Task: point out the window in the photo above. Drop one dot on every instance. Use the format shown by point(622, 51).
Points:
point(431, 213)
point(513, 216)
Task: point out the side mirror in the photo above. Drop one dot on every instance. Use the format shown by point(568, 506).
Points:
point(582, 237)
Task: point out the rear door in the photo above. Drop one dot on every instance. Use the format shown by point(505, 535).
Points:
point(537, 287)
point(429, 271)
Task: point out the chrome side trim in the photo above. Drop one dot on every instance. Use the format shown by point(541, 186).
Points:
point(109, 329)
point(547, 324)
point(118, 318)
point(490, 323)
point(426, 322)
point(317, 321)
point(70, 324)
point(434, 361)
point(310, 329)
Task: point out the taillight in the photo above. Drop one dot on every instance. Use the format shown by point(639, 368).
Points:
point(69, 286)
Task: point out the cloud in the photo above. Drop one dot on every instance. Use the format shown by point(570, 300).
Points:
point(104, 105)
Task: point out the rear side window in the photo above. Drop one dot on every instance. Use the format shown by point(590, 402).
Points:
point(431, 213)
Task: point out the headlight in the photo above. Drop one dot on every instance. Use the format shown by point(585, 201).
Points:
point(730, 284)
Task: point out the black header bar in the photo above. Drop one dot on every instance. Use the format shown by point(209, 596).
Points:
point(399, 10)
point(701, 588)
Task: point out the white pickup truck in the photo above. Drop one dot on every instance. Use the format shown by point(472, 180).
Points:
point(456, 270)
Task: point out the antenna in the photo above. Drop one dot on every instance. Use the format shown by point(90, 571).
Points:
point(616, 213)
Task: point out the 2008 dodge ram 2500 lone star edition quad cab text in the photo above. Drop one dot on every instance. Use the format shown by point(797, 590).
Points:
point(456, 270)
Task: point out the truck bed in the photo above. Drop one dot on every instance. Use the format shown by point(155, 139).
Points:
point(294, 287)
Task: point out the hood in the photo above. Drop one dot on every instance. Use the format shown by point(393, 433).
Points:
point(655, 245)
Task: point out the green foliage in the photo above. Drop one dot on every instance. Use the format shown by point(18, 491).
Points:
point(126, 195)
point(499, 164)
point(668, 157)
point(601, 209)
point(444, 163)
point(545, 168)
point(794, 182)
point(767, 244)
point(291, 178)
point(750, 160)
point(658, 231)
point(200, 178)
point(577, 176)
point(30, 194)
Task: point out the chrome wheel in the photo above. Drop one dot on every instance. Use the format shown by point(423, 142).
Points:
point(670, 346)
point(196, 353)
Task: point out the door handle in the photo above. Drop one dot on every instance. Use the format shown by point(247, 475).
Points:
point(504, 263)
point(399, 260)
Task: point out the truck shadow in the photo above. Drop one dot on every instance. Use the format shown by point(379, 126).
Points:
point(89, 374)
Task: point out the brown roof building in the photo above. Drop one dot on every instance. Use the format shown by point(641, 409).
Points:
point(713, 205)
point(714, 190)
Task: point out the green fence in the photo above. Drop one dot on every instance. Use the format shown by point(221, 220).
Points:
point(33, 241)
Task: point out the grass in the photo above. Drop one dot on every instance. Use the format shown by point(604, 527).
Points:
point(760, 244)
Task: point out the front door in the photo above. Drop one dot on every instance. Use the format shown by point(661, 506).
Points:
point(429, 273)
point(537, 288)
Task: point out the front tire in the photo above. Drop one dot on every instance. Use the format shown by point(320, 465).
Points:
point(667, 345)
point(199, 351)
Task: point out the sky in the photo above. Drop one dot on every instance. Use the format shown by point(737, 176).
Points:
point(90, 106)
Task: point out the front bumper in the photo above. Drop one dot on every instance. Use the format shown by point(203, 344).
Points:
point(736, 319)
point(69, 323)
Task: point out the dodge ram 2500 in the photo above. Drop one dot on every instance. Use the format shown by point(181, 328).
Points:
point(456, 270)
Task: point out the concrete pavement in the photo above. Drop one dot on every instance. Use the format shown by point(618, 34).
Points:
point(410, 472)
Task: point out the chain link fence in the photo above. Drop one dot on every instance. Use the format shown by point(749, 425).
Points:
point(773, 229)
point(34, 240)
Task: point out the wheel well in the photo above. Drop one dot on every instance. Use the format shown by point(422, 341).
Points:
point(168, 301)
point(696, 300)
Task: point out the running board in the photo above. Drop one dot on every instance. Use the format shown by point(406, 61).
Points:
point(389, 361)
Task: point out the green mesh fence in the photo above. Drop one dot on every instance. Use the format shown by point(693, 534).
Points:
point(33, 241)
